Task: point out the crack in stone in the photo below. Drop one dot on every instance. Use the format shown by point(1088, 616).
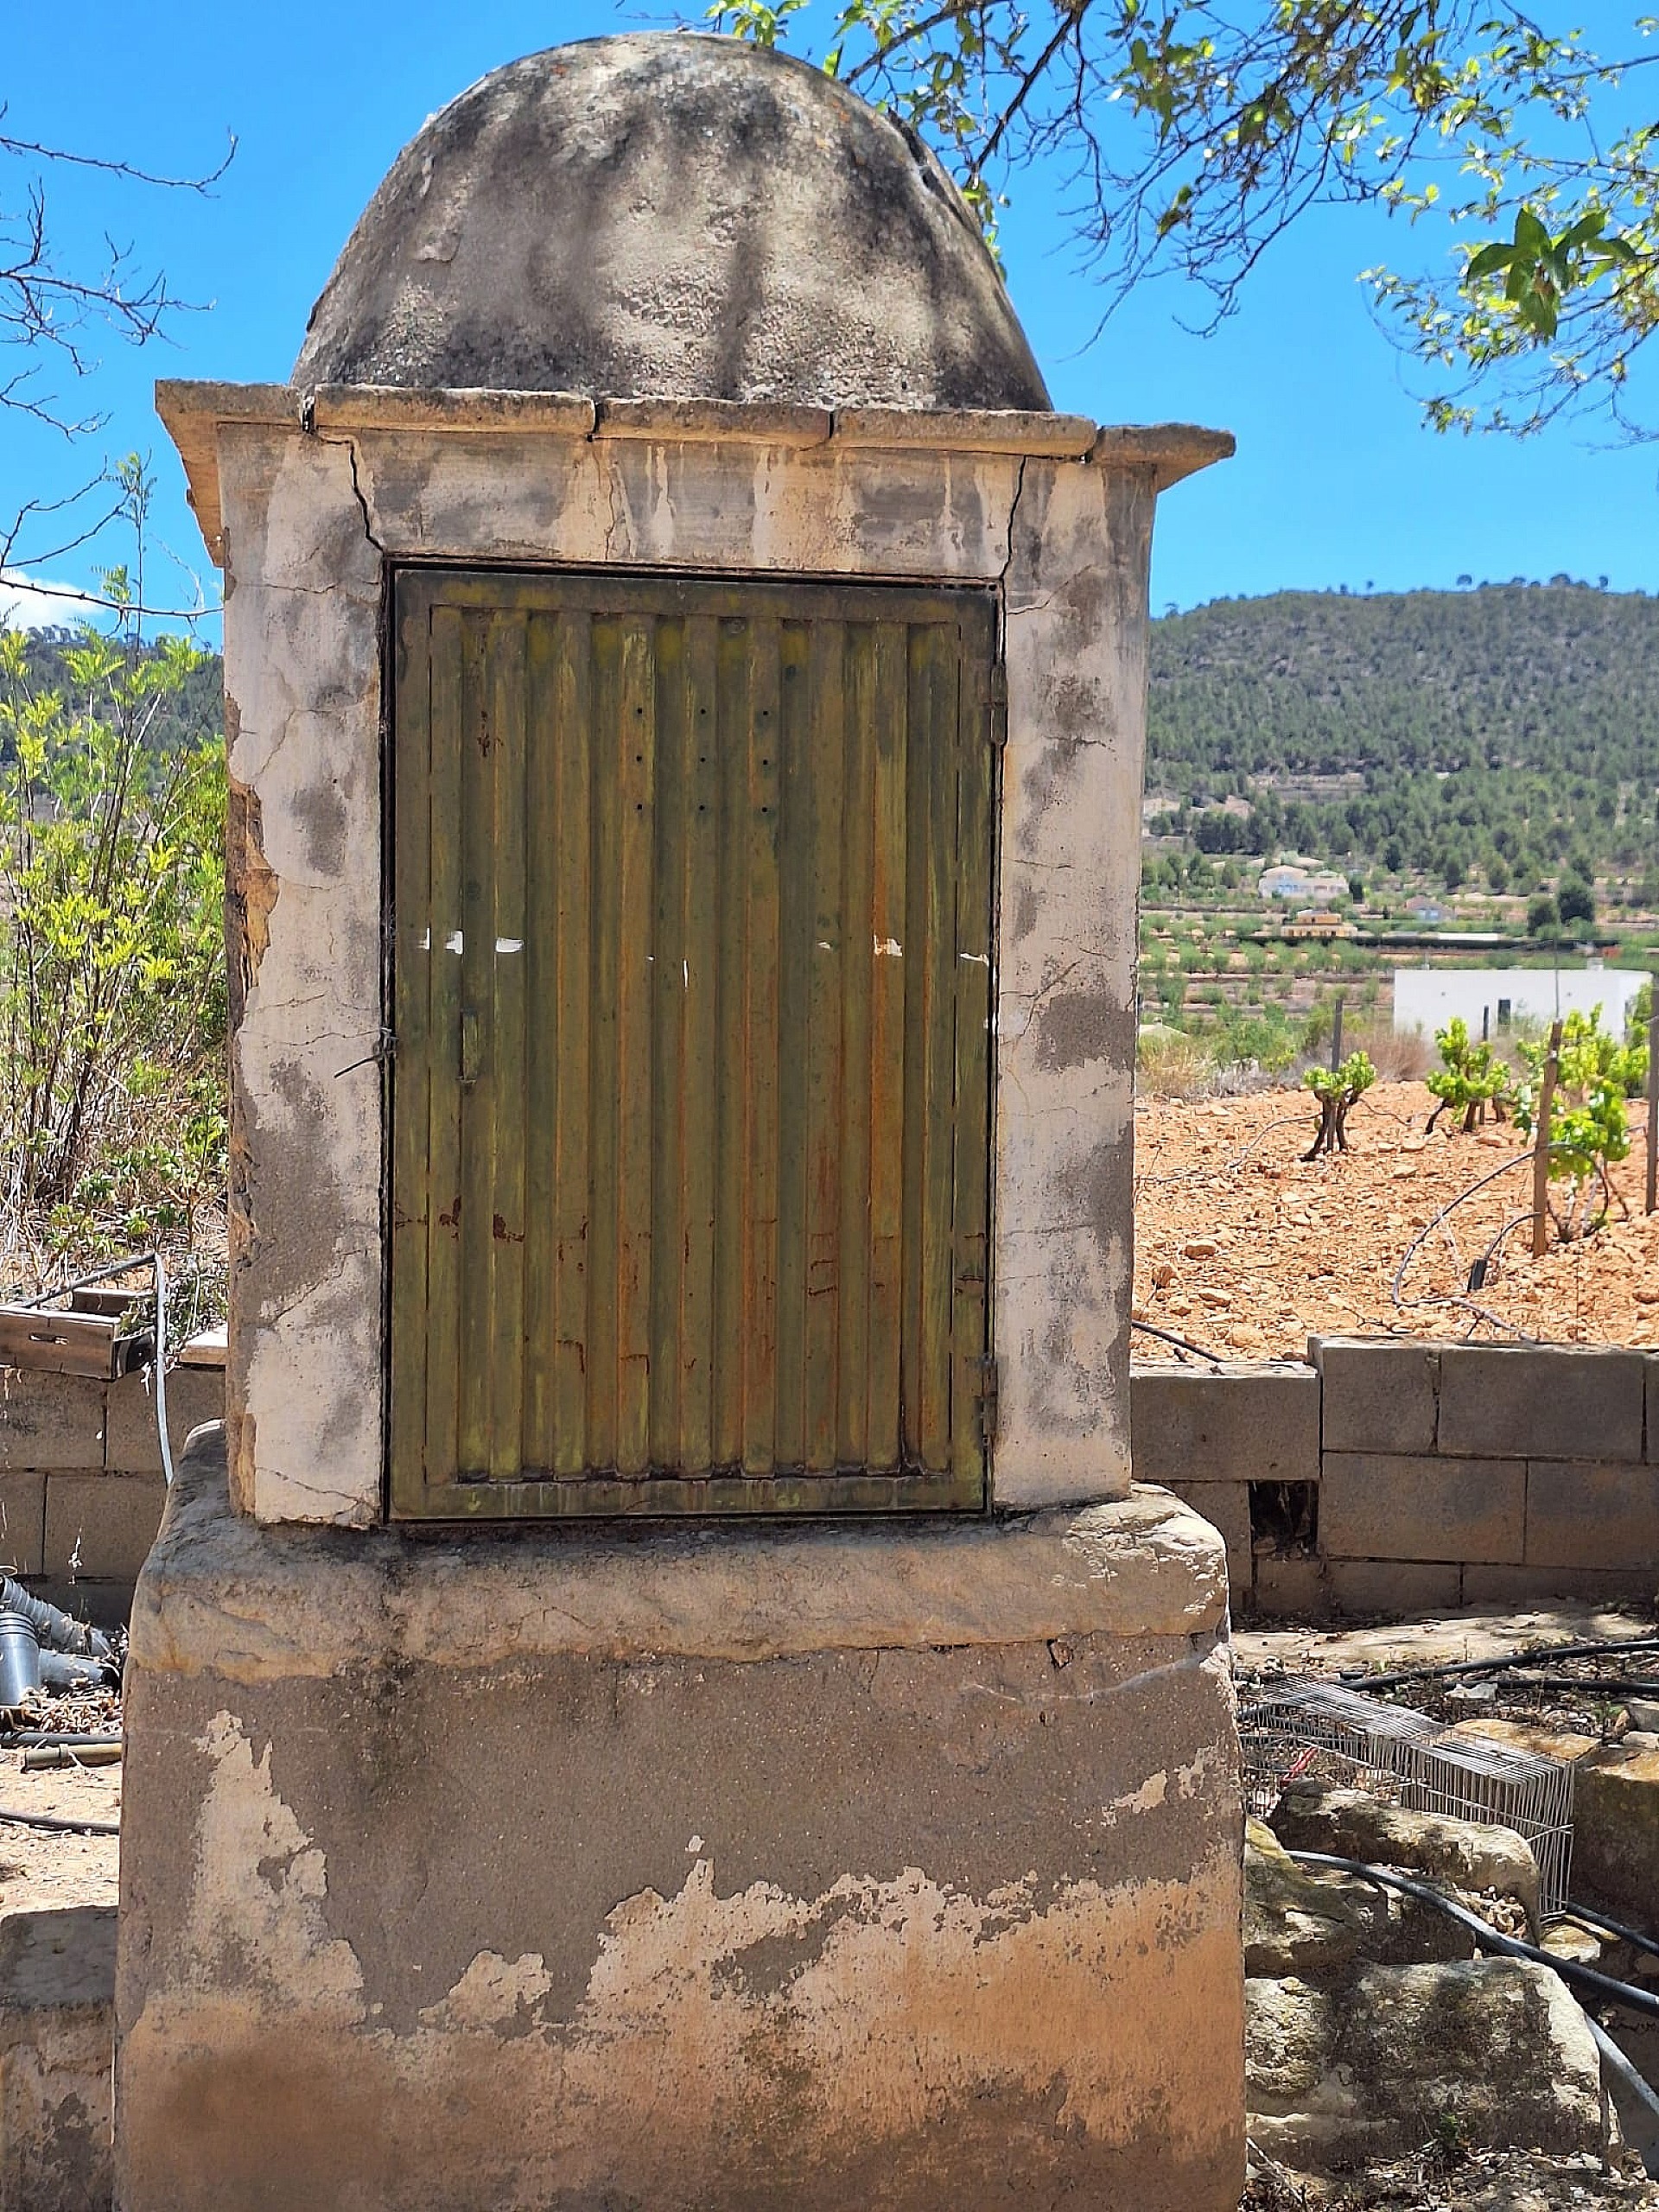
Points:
point(308, 423)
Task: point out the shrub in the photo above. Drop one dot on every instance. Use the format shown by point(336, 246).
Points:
point(1337, 1089)
point(111, 950)
point(1588, 1127)
point(1471, 1078)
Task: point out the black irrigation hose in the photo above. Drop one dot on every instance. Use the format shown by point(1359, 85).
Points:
point(56, 1739)
point(1354, 1679)
point(1600, 1922)
point(1612, 1686)
point(1643, 2002)
point(64, 1826)
point(1166, 1336)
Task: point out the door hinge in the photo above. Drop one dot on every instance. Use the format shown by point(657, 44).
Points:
point(989, 1399)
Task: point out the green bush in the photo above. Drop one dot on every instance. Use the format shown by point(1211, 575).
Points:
point(1337, 1089)
point(1471, 1078)
point(112, 1010)
point(1588, 1127)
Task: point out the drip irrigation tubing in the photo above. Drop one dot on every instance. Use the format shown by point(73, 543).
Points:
point(1600, 1922)
point(1636, 2087)
point(1589, 1686)
point(69, 1827)
point(1181, 1344)
point(55, 1739)
point(1462, 1298)
point(1530, 1657)
point(1211, 1168)
point(1643, 2002)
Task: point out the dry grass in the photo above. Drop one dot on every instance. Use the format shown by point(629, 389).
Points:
point(1171, 1064)
point(1397, 1056)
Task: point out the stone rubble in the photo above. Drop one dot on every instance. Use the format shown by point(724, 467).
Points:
point(1387, 2062)
point(1351, 1824)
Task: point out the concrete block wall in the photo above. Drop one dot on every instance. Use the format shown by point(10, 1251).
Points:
point(1380, 1477)
point(81, 1478)
point(1432, 1475)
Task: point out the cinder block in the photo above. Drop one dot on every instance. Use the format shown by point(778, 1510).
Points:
point(1586, 1513)
point(1379, 1394)
point(1382, 1505)
point(101, 1526)
point(22, 1521)
point(1246, 1421)
point(1226, 1507)
point(1396, 1588)
point(195, 1395)
point(1485, 1585)
point(1288, 1585)
point(50, 1420)
point(1545, 1401)
point(1651, 1363)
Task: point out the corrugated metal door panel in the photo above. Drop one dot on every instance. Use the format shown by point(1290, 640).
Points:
point(690, 1121)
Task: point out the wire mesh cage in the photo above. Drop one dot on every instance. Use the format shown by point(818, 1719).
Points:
point(1321, 1731)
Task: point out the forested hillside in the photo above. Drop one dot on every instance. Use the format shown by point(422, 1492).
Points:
point(190, 714)
point(1509, 728)
point(1496, 734)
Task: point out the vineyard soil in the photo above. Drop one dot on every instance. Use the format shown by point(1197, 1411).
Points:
point(1246, 1249)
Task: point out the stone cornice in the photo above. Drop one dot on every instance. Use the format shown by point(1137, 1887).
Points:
point(195, 412)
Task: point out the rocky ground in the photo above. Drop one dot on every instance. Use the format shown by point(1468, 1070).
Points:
point(1391, 2062)
point(1434, 2180)
point(1334, 1966)
point(1246, 1249)
point(43, 1867)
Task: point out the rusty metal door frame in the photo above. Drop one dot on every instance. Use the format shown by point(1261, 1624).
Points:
point(499, 609)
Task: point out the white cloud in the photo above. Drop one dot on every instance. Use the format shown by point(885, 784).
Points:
point(29, 602)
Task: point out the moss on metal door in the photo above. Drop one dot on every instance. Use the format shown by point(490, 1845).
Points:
point(690, 1119)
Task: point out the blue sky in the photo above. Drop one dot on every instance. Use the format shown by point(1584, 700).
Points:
point(1335, 482)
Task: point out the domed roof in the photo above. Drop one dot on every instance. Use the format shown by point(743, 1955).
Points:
point(676, 216)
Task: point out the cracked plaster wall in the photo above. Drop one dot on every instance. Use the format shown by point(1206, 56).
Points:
point(895, 1923)
point(309, 519)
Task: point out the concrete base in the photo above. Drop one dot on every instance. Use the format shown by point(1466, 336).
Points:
point(57, 1977)
point(735, 1869)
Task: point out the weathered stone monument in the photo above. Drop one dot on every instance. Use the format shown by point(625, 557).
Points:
point(685, 690)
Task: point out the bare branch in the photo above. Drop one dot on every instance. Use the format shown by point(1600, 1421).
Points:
point(50, 309)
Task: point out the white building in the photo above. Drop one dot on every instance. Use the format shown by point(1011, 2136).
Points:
point(1493, 1000)
point(1304, 880)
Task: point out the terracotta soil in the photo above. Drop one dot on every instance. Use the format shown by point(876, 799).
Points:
point(1246, 1249)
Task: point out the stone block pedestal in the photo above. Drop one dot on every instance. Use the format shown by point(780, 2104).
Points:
point(736, 1867)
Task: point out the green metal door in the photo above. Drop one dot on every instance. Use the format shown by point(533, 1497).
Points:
point(690, 1111)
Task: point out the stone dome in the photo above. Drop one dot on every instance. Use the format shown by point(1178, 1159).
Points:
point(678, 216)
